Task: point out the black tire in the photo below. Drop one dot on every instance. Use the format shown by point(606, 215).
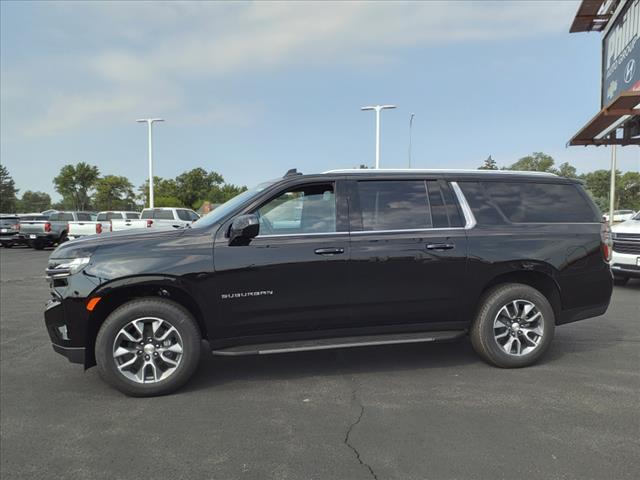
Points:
point(163, 309)
point(7, 245)
point(620, 280)
point(38, 245)
point(482, 330)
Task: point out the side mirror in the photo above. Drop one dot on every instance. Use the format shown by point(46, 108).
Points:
point(243, 229)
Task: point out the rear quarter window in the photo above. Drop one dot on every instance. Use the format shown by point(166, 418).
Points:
point(530, 202)
point(132, 216)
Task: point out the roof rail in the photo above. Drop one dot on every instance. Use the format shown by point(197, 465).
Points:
point(438, 170)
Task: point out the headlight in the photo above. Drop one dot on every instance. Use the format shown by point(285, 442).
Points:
point(64, 267)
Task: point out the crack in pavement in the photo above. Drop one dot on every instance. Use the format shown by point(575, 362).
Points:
point(354, 398)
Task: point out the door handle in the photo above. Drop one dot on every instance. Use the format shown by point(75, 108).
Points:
point(440, 246)
point(329, 251)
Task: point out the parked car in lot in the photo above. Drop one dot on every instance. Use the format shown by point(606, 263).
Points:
point(101, 224)
point(44, 233)
point(10, 235)
point(163, 217)
point(341, 259)
point(8, 229)
point(620, 215)
point(625, 259)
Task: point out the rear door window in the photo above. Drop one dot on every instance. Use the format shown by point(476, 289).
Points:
point(132, 216)
point(394, 205)
point(82, 217)
point(528, 202)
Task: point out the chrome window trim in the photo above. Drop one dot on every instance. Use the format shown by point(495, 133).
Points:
point(408, 230)
point(469, 219)
point(315, 234)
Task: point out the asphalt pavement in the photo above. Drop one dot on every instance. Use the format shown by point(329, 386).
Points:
point(430, 411)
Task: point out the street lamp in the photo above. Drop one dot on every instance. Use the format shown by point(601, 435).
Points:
point(149, 122)
point(410, 128)
point(378, 108)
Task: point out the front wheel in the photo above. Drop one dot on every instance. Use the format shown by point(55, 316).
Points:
point(148, 347)
point(513, 327)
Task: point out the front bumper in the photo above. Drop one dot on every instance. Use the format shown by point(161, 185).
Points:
point(66, 340)
point(625, 264)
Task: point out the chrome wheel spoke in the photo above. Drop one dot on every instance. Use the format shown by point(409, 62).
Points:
point(150, 358)
point(518, 327)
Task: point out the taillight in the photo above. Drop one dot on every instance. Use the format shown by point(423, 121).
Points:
point(98, 228)
point(47, 227)
point(149, 223)
point(606, 241)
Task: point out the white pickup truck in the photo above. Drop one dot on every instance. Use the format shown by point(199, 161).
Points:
point(164, 217)
point(625, 258)
point(102, 224)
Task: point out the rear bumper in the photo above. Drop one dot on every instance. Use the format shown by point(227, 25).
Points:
point(575, 314)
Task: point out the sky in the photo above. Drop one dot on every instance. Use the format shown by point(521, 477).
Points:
point(252, 89)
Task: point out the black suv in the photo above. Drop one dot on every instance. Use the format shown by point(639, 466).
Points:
point(341, 259)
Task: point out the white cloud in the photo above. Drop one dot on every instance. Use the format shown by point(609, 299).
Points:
point(144, 56)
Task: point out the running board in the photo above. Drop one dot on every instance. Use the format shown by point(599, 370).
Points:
point(339, 342)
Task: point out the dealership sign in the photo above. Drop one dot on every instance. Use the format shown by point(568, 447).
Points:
point(621, 53)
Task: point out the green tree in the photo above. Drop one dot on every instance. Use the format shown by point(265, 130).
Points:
point(536, 162)
point(162, 188)
point(629, 192)
point(223, 193)
point(8, 191)
point(76, 183)
point(567, 170)
point(34, 202)
point(114, 193)
point(489, 164)
point(196, 184)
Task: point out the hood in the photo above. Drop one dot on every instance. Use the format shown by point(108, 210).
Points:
point(86, 246)
point(630, 226)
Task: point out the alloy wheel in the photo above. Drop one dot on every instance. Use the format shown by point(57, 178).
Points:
point(518, 327)
point(147, 350)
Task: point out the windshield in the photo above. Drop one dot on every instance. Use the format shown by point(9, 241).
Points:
point(636, 216)
point(227, 207)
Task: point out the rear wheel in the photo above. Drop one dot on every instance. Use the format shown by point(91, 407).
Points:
point(148, 347)
point(513, 327)
point(38, 245)
point(620, 280)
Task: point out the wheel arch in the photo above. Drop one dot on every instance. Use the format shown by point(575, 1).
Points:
point(541, 281)
point(117, 293)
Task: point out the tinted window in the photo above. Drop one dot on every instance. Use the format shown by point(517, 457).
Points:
point(484, 211)
point(34, 217)
point(184, 215)
point(132, 216)
point(394, 205)
point(307, 209)
point(102, 217)
point(194, 216)
point(439, 216)
point(83, 217)
point(157, 214)
point(456, 219)
point(163, 215)
point(522, 202)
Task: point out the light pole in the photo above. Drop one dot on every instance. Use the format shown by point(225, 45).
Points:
point(410, 128)
point(378, 108)
point(149, 122)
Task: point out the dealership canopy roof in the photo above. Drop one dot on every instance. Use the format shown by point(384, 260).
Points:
point(593, 15)
point(618, 123)
point(601, 129)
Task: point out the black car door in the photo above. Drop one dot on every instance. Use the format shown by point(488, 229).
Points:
point(293, 276)
point(408, 253)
